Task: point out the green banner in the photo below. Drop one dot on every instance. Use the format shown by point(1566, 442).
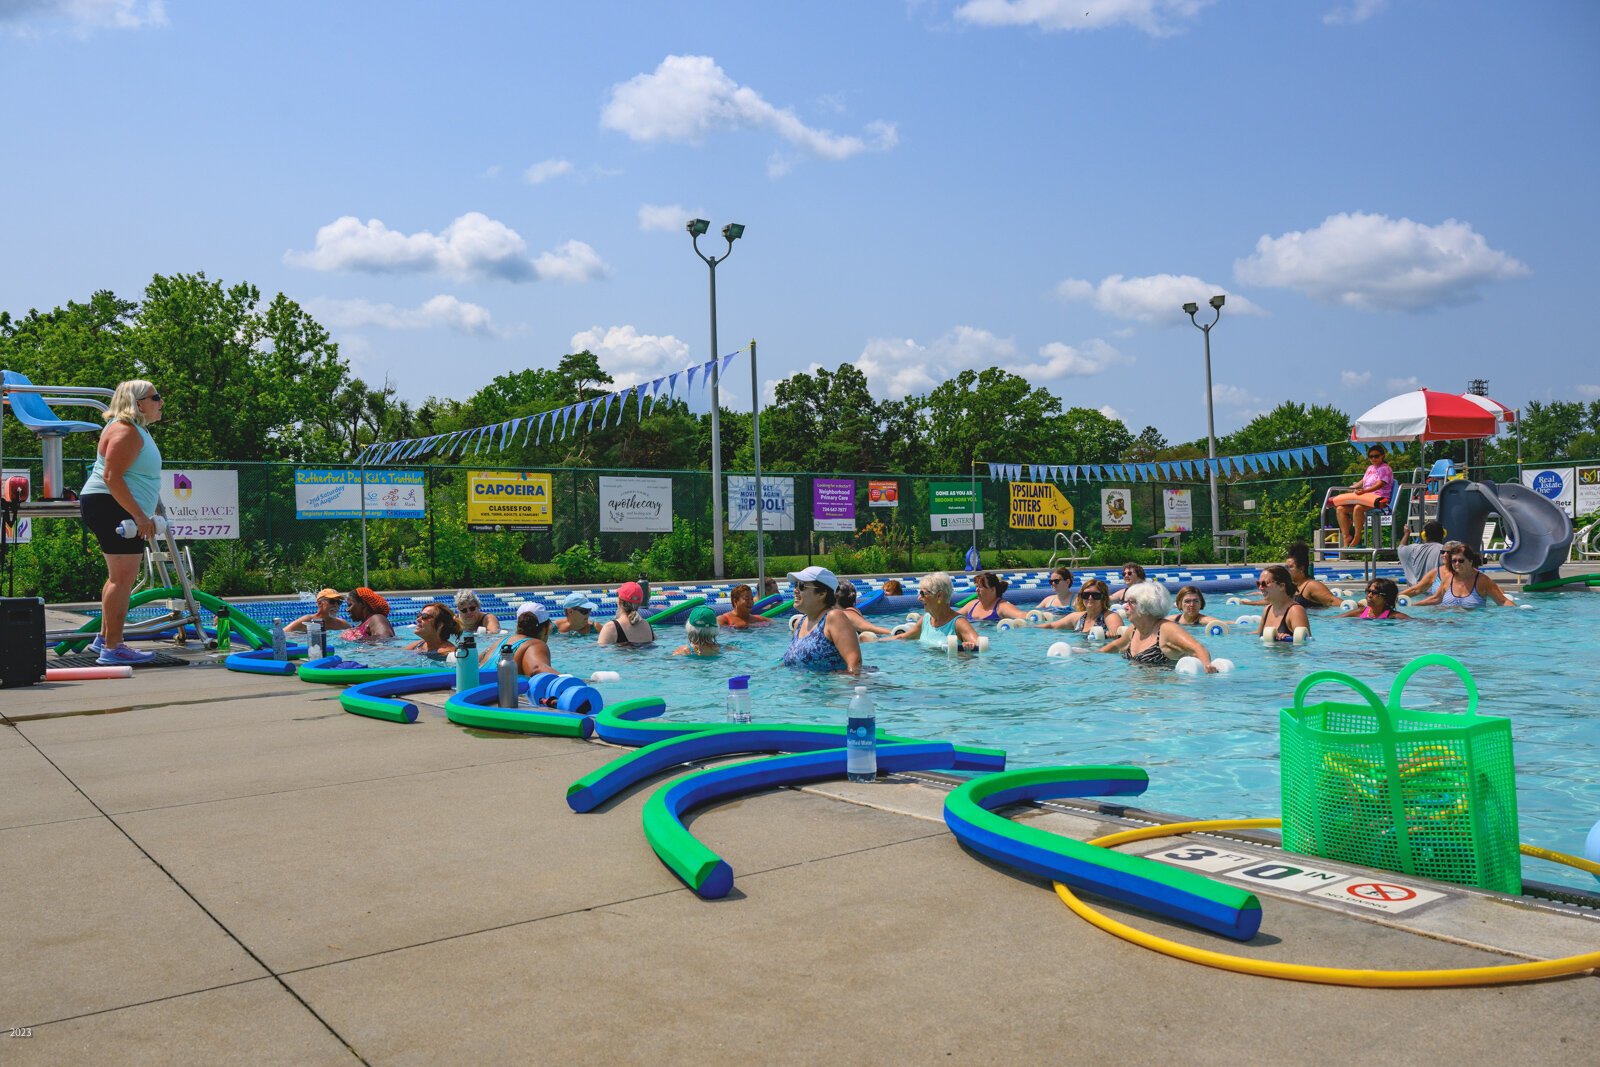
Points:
point(954, 505)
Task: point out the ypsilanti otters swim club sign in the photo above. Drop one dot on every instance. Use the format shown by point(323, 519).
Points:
point(507, 501)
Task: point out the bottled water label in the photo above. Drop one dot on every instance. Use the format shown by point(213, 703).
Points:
point(861, 748)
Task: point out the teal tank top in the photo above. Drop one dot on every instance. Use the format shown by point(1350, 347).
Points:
point(143, 475)
point(934, 636)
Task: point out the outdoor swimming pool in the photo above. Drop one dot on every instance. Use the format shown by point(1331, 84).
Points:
point(1209, 743)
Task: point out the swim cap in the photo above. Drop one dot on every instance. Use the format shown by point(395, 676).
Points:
point(371, 600)
point(703, 617)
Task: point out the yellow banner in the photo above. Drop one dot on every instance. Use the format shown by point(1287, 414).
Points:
point(1039, 506)
point(507, 500)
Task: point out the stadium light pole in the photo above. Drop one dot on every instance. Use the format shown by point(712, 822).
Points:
point(731, 232)
point(1211, 421)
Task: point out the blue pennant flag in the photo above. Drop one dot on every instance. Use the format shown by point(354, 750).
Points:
point(1321, 451)
point(726, 360)
point(689, 377)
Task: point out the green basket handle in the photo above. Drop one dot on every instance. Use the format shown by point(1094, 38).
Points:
point(1357, 684)
point(1433, 659)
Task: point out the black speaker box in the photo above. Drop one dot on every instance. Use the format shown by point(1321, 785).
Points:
point(21, 641)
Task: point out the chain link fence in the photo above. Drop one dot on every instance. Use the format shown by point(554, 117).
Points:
point(277, 552)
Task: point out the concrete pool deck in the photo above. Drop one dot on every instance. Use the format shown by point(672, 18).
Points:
point(202, 866)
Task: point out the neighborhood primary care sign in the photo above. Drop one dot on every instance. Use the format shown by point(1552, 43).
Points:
point(507, 500)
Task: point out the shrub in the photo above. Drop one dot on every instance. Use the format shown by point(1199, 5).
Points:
point(579, 562)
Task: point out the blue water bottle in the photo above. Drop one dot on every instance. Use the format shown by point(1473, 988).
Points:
point(466, 663)
point(861, 738)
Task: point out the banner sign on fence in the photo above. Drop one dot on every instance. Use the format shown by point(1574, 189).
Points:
point(1116, 509)
point(954, 506)
point(1587, 499)
point(883, 494)
point(833, 504)
point(1039, 506)
point(1555, 485)
point(201, 505)
point(336, 494)
point(777, 503)
point(23, 533)
point(635, 505)
point(1178, 506)
point(507, 501)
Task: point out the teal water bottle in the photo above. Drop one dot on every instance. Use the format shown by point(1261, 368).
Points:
point(466, 663)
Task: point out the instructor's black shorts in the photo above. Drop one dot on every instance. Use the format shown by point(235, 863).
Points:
point(101, 514)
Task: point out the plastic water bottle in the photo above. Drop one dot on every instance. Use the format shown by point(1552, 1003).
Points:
point(280, 643)
point(505, 674)
point(466, 663)
point(861, 738)
point(316, 640)
point(130, 529)
point(739, 698)
point(224, 630)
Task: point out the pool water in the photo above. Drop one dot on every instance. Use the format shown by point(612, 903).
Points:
point(1209, 743)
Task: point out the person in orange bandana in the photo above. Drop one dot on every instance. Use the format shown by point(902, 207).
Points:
point(370, 613)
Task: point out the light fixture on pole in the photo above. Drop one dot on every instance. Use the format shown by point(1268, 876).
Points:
point(1211, 422)
point(731, 232)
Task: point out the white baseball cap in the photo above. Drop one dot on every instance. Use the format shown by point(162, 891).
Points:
point(538, 611)
point(816, 574)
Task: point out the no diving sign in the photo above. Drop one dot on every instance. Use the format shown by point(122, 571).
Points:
point(1378, 896)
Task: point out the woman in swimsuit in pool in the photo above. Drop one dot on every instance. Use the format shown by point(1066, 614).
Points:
point(1281, 614)
point(629, 627)
point(989, 607)
point(824, 640)
point(1465, 585)
point(370, 613)
point(940, 621)
point(1059, 602)
point(435, 626)
point(1382, 594)
point(1093, 610)
point(1152, 639)
point(1192, 609)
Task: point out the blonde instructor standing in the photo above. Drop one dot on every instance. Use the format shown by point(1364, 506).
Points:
point(124, 484)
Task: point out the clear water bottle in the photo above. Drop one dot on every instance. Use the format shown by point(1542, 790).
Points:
point(466, 663)
point(316, 640)
point(739, 698)
point(861, 738)
point(130, 529)
point(505, 675)
point(280, 643)
point(224, 630)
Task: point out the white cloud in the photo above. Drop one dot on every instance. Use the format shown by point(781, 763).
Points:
point(687, 98)
point(1354, 12)
point(1591, 392)
point(28, 17)
point(669, 217)
point(473, 246)
point(631, 357)
point(898, 367)
point(1158, 18)
point(546, 169)
point(1402, 385)
point(1375, 262)
point(1354, 379)
point(1232, 395)
point(1110, 412)
point(438, 311)
point(572, 262)
point(1153, 298)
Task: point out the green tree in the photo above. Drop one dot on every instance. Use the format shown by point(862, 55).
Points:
point(823, 421)
point(1291, 425)
point(988, 415)
point(1551, 430)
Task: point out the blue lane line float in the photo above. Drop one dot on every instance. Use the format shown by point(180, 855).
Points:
point(701, 869)
point(1133, 880)
point(260, 661)
point(603, 783)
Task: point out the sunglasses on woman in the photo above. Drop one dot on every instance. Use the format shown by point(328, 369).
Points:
point(1093, 596)
point(1265, 585)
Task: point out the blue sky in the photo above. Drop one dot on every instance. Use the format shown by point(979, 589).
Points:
point(1389, 193)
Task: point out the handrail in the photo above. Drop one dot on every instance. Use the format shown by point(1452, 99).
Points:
point(85, 390)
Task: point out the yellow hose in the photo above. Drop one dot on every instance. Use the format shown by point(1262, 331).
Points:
point(1297, 972)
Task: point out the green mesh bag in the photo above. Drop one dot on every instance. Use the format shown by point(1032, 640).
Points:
point(1426, 793)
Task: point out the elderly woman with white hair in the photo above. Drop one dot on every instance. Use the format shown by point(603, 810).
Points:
point(939, 622)
point(469, 610)
point(1150, 637)
point(701, 630)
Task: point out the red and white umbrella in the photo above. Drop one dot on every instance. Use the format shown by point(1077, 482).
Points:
point(1424, 415)
point(1494, 407)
